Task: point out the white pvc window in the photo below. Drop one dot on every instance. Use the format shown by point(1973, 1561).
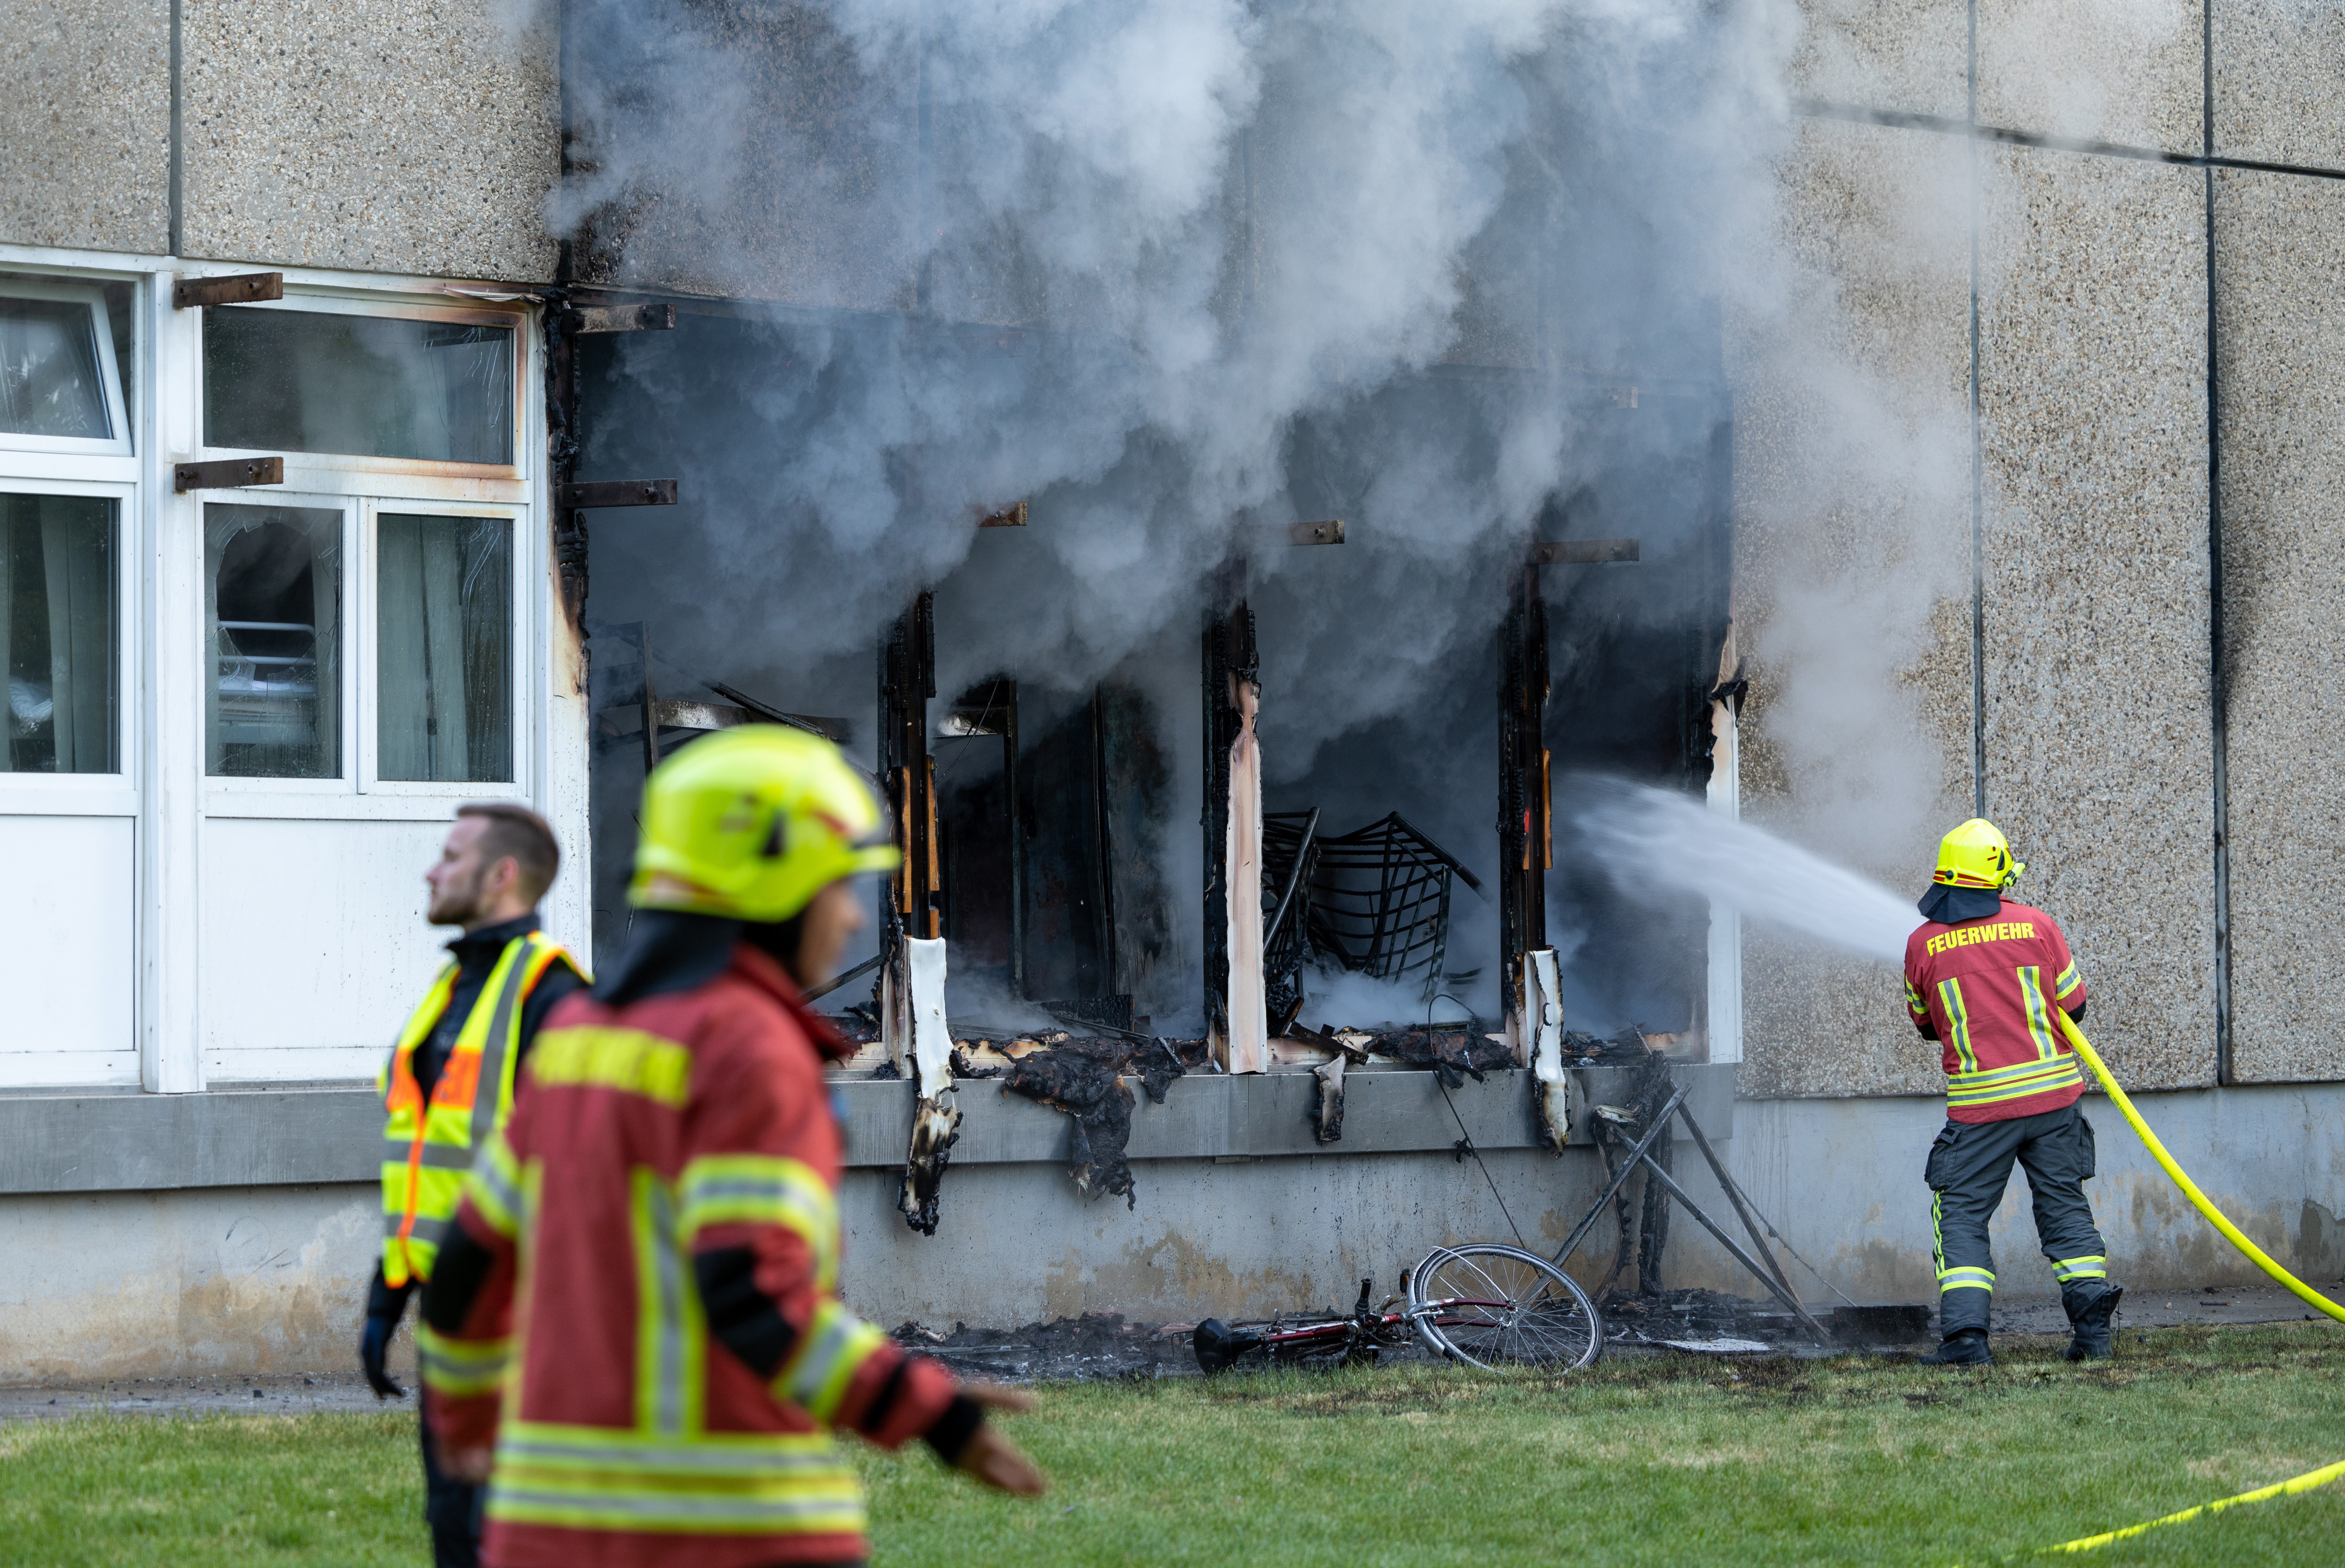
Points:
point(60, 388)
point(315, 376)
point(60, 636)
point(443, 648)
point(273, 587)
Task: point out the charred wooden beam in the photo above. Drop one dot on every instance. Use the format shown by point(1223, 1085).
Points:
point(1008, 517)
point(1526, 832)
point(908, 680)
point(562, 451)
point(233, 289)
point(1328, 532)
point(227, 473)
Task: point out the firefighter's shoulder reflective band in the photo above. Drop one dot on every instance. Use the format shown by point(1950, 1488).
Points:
point(2092, 1059)
point(2305, 1482)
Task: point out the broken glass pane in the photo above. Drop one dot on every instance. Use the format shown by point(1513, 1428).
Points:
point(57, 630)
point(443, 640)
point(50, 380)
point(362, 386)
point(272, 695)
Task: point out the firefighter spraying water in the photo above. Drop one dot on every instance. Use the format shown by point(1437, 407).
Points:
point(2012, 1064)
point(1982, 975)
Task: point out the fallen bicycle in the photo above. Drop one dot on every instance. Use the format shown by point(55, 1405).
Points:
point(1487, 1305)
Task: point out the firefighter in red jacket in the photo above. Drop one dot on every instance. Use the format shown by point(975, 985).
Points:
point(636, 1305)
point(1982, 977)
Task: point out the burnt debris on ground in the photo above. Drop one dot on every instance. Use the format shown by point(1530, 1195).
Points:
point(1097, 1345)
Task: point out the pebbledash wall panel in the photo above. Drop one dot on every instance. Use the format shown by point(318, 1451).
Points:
point(1911, 56)
point(1852, 528)
point(2125, 71)
point(417, 136)
point(86, 125)
point(2281, 347)
point(2280, 81)
point(2098, 721)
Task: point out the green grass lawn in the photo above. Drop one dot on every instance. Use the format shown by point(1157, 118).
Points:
point(1675, 1461)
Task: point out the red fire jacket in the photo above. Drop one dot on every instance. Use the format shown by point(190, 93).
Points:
point(1984, 989)
point(657, 1246)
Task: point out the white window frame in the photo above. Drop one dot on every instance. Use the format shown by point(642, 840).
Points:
point(90, 795)
point(91, 294)
point(347, 302)
point(164, 788)
point(286, 796)
point(442, 792)
point(367, 487)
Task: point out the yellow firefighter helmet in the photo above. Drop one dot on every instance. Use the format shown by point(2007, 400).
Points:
point(1976, 855)
point(752, 822)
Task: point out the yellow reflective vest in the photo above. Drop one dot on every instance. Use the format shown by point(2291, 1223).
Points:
point(428, 1147)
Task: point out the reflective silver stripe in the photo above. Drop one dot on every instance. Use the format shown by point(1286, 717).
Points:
point(2039, 1019)
point(815, 1367)
point(667, 1275)
point(488, 1093)
point(447, 1157)
point(492, 1175)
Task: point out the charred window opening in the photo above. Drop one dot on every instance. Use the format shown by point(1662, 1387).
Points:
point(1065, 792)
point(1633, 655)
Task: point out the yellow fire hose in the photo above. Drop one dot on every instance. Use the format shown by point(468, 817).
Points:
point(2215, 1217)
point(2199, 1200)
point(2304, 1483)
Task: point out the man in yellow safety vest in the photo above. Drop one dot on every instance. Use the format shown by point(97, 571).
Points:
point(449, 1084)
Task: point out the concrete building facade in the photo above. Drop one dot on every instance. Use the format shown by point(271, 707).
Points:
point(2097, 291)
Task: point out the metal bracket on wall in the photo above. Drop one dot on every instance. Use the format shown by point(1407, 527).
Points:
point(1582, 552)
point(616, 492)
point(595, 318)
point(235, 288)
point(228, 474)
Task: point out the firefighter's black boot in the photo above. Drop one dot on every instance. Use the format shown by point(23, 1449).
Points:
point(1963, 1347)
point(2090, 1316)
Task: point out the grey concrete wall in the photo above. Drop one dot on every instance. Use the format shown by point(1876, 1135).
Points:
point(1853, 524)
point(1843, 1180)
point(172, 1284)
point(384, 136)
point(235, 1279)
point(2282, 338)
point(2098, 663)
point(86, 124)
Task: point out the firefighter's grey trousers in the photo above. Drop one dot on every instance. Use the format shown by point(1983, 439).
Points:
point(1970, 1166)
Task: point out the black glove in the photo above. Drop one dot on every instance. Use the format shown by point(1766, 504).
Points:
point(385, 1305)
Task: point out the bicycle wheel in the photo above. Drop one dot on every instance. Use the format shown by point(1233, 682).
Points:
point(1500, 1306)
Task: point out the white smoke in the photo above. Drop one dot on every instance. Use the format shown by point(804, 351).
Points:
point(1179, 273)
